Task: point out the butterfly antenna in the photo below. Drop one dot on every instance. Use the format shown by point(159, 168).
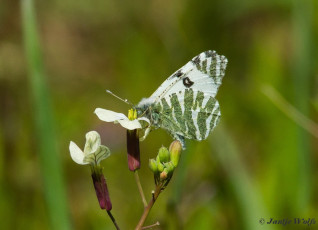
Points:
point(124, 100)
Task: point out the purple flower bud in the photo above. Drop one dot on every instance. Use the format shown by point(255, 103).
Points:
point(133, 150)
point(101, 190)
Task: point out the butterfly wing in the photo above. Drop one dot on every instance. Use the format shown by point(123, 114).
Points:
point(188, 113)
point(203, 73)
point(185, 104)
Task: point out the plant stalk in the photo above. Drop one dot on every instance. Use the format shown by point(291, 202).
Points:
point(151, 226)
point(141, 191)
point(149, 206)
point(113, 219)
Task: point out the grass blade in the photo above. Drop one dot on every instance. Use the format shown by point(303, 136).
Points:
point(50, 164)
point(302, 72)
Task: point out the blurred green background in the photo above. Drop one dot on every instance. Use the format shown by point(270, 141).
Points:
point(58, 57)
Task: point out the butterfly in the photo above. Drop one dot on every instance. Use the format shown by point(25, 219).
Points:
point(184, 104)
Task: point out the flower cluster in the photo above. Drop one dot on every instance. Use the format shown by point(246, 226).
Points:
point(165, 163)
point(163, 166)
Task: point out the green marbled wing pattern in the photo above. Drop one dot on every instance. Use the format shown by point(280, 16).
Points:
point(189, 114)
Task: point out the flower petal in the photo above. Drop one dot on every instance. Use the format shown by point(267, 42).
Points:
point(92, 142)
point(135, 124)
point(77, 154)
point(144, 119)
point(95, 158)
point(109, 116)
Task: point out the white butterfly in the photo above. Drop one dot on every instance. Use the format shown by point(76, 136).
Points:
point(184, 104)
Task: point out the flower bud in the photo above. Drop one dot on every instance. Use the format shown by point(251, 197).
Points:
point(169, 167)
point(163, 175)
point(153, 165)
point(160, 167)
point(175, 152)
point(164, 155)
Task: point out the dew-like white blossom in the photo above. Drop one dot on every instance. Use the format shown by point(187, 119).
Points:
point(93, 152)
point(111, 116)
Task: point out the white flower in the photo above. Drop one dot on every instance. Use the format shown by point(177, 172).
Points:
point(93, 153)
point(110, 116)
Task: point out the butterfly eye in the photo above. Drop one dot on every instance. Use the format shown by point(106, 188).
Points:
point(187, 82)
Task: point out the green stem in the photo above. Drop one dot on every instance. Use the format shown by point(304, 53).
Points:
point(141, 191)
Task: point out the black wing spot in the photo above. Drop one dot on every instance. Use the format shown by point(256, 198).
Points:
point(187, 82)
point(179, 73)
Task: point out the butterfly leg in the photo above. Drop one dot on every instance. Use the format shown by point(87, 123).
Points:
point(146, 133)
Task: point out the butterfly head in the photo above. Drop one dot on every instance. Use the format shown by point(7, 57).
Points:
point(145, 103)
